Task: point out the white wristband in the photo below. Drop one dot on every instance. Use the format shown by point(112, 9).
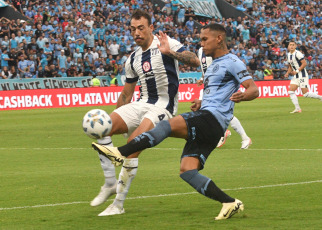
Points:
point(297, 71)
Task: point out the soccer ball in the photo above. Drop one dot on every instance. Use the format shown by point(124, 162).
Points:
point(97, 124)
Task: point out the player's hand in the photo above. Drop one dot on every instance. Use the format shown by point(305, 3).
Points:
point(199, 82)
point(164, 46)
point(293, 73)
point(237, 97)
point(286, 75)
point(196, 105)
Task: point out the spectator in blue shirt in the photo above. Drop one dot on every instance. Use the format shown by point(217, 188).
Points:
point(43, 62)
point(27, 73)
point(5, 42)
point(62, 72)
point(5, 58)
point(90, 39)
point(13, 41)
point(62, 60)
point(22, 64)
point(80, 45)
point(190, 24)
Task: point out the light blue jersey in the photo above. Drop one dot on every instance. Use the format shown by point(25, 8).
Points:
point(223, 78)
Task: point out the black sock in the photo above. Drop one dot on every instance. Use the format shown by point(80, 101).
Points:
point(216, 193)
point(137, 144)
point(205, 186)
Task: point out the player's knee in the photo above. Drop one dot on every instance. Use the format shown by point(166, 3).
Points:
point(183, 170)
point(291, 92)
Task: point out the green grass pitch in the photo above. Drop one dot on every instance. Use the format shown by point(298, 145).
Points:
point(49, 173)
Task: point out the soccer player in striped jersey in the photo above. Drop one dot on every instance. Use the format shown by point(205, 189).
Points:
point(297, 64)
point(155, 65)
point(206, 61)
point(203, 127)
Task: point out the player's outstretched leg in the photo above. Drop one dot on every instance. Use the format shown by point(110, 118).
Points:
point(109, 187)
point(127, 174)
point(145, 140)
point(313, 95)
point(236, 125)
point(208, 188)
point(295, 102)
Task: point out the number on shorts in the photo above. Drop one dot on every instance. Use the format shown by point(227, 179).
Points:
point(161, 117)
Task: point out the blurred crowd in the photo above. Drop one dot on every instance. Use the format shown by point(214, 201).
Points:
point(92, 38)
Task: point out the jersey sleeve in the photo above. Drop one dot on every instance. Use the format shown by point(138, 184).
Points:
point(299, 56)
point(175, 45)
point(239, 71)
point(131, 75)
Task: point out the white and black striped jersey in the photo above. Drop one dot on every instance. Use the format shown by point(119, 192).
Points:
point(204, 61)
point(294, 59)
point(158, 74)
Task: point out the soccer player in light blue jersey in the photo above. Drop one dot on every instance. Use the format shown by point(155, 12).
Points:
point(205, 62)
point(205, 125)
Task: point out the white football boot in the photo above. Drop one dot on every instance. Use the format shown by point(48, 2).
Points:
point(112, 210)
point(230, 209)
point(297, 111)
point(246, 143)
point(110, 152)
point(222, 140)
point(103, 195)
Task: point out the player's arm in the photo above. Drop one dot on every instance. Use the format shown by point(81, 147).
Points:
point(289, 70)
point(249, 94)
point(126, 94)
point(300, 56)
point(186, 57)
point(303, 65)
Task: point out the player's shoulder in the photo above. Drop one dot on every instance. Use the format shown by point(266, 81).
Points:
point(299, 53)
point(233, 64)
point(131, 57)
point(233, 58)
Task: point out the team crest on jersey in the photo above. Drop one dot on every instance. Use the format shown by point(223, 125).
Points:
point(146, 66)
point(216, 68)
point(203, 59)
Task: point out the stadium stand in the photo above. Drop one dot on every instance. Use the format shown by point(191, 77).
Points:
point(73, 38)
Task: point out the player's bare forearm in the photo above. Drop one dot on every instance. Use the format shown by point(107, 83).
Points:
point(303, 65)
point(289, 70)
point(250, 93)
point(126, 94)
point(123, 100)
point(186, 57)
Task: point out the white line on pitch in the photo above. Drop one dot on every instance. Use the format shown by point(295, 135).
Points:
point(164, 195)
point(71, 148)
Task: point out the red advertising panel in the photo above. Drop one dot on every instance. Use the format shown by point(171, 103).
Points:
point(56, 98)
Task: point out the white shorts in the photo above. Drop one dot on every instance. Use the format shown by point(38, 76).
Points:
point(134, 113)
point(302, 82)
